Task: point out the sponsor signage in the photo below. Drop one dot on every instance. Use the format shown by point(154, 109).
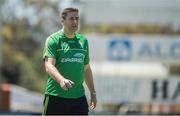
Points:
point(123, 90)
point(160, 49)
point(135, 48)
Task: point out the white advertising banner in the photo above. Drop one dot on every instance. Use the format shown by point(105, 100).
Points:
point(116, 90)
point(135, 48)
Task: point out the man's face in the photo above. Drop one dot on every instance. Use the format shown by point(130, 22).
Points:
point(71, 22)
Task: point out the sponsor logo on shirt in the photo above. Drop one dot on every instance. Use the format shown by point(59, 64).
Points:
point(79, 60)
point(80, 55)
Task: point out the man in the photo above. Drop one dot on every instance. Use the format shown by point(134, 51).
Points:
point(66, 56)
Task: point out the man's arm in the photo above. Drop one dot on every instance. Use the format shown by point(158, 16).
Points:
point(52, 70)
point(90, 85)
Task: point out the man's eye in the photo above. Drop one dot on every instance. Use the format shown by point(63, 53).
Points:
point(77, 18)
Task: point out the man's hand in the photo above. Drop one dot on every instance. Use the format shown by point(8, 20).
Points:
point(66, 84)
point(93, 100)
point(52, 70)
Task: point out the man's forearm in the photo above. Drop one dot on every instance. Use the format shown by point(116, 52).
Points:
point(89, 80)
point(51, 70)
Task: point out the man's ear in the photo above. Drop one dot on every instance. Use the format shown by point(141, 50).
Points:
point(62, 21)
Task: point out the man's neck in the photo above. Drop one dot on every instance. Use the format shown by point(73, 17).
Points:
point(68, 34)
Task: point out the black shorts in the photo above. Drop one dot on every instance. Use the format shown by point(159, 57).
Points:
point(61, 106)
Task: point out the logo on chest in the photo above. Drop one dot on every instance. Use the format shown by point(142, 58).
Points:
point(81, 44)
point(65, 46)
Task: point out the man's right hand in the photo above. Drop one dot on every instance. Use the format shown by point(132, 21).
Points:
point(52, 70)
point(66, 84)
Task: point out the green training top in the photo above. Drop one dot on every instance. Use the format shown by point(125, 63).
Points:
point(71, 55)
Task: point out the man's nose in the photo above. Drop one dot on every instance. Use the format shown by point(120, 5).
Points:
point(75, 20)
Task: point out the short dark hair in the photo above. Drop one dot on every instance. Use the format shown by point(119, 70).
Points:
point(67, 10)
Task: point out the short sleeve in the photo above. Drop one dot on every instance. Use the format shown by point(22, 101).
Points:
point(49, 48)
point(86, 59)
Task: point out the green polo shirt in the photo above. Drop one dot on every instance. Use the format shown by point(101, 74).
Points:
point(71, 55)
